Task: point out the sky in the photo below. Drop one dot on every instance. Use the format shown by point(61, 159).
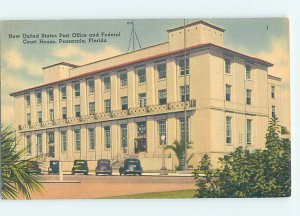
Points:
point(21, 64)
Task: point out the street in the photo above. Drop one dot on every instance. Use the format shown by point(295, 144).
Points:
point(91, 186)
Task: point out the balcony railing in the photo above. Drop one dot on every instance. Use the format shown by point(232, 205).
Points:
point(131, 112)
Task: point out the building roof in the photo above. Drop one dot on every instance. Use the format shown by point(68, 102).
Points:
point(60, 63)
point(195, 23)
point(170, 53)
point(274, 77)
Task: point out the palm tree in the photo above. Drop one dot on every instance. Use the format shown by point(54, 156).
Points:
point(15, 178)
point(178, 148)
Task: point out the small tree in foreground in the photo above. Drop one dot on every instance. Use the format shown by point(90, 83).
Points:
point(14, 175)
point(178, 148)
point(261, 173)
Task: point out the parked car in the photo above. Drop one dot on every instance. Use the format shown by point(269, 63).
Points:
point(103, 167)
point(131, 166)
point(80, 166)
point(54, 167)
point(34, 167)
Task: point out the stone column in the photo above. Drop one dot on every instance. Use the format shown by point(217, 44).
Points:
point(131, 87)
point(171, 80)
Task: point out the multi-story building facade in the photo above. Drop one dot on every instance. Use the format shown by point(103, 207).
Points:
point(120, 107)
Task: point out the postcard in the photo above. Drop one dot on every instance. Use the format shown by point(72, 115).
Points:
point(145, 108)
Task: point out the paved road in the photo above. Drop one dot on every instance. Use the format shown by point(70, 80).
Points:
point(120, 179)
point(84, 187)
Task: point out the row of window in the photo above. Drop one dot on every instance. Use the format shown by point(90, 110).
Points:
point(227, 69)
point(229, 130)
point(141, 131)
point(141, 72)
point(162, 99)
point(248, 94)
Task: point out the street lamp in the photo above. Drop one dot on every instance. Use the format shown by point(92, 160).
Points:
point(163, 170)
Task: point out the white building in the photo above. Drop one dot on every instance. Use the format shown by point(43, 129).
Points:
point(98, 110)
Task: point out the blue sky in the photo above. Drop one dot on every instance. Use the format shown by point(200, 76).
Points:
point(21, 64)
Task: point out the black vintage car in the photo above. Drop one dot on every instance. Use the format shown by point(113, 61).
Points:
point(103, 167)
point(54, 167)
point(33, 167)
point(80, 166)
point(131, 166)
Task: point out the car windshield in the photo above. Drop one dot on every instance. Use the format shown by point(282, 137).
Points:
point(54, 162)
point(133, 162)
point(104, 162)
point(80, 162)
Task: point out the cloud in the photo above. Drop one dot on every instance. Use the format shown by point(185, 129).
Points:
point(14, 60)
point(82, 56)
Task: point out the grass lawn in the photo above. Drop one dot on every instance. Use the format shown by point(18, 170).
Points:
point(158, 195)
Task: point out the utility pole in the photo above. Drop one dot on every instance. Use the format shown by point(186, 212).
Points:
point(185, 112)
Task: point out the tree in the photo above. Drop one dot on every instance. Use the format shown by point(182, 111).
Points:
point(260, 173)
point(178, 148)
point(15, 178)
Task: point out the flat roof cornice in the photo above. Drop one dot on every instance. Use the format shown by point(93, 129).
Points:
point(61, 63)
point(170, 53)
point(196, 23)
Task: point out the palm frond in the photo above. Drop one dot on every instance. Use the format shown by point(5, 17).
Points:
point(16, 180)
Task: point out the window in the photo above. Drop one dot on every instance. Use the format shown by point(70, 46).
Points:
point(107, 106)
point(63, 92)
point(91, 86)
point(29, 145)
point(124, 135)
point(273, 111)
point(77, 140)
point(141, 129)
point(273, 91)
point(162, 130)
point(228, 130)
point(227, 64)
point(185, 93)
point(50, 95)
point(123, 78)
point(142, 100)
point(107, 136)
point(124, 102)
point(162, 71)
point(181, 66)
point(77, 89)
point(92, 138)
point(249, 131)
point(39, 116)
point(248, 96)
point(92, 108)
point(51, 114)
point(27, 98)
point(28, 117)
point(182, 131)
point(39, 143)
point(228, 92)
point(38, 95)
point(162, 96)
point(64, 112)
point(248, 72)
point(106, 83)
point(77, 110)
point(141, 75)
point(64, 141)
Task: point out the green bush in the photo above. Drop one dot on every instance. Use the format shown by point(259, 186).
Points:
point(260, 173)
